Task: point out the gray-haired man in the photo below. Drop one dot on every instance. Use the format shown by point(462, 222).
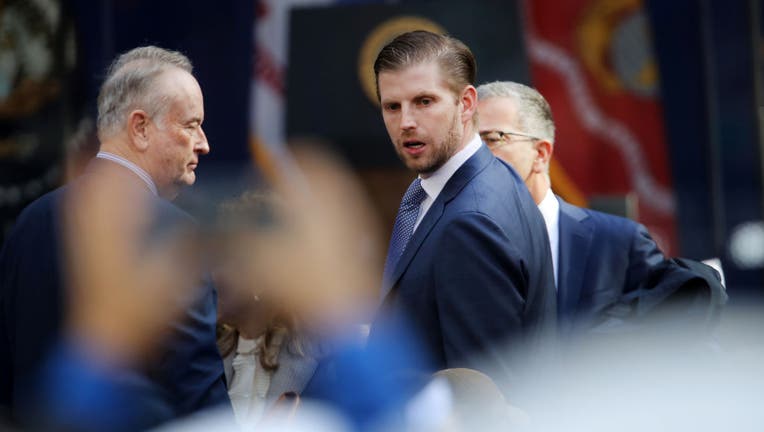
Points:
point(150, 112)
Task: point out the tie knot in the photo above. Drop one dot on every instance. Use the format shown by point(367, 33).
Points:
point(415, 194)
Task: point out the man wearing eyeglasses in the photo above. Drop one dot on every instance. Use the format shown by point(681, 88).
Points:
point(597, 258)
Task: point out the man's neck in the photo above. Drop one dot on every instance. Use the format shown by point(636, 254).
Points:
point(469, 133)
point(120, 150)
point(115, 149)
point(538, 185)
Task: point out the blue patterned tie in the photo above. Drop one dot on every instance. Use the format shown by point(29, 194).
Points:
point(404, 226)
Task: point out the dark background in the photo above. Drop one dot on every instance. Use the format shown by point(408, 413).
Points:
point(354, 122)
point(708, 52)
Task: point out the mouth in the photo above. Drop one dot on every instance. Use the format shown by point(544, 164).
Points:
point(413, 146)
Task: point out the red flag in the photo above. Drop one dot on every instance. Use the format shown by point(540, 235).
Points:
point(593, 61)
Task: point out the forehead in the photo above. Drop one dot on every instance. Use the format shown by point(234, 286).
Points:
point(497, 113)
point(185, 95)
point(409, 81)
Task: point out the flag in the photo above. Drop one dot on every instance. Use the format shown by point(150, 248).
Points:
point(593, 61)
point(270, 45)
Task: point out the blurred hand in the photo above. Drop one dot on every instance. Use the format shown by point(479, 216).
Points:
point(322, 258)
point(124, 287)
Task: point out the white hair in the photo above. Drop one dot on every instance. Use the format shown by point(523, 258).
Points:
point(130, 83)
point(534, 116)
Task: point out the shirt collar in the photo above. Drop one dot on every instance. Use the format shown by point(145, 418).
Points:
point(435, 183)
point(550, 209)
point(132, 167)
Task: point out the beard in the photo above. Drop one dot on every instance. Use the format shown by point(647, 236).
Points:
point(440, 153)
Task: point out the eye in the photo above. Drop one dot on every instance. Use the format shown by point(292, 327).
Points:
point(393, 106)
point(425, 101)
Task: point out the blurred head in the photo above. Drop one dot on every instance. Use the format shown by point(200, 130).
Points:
point(424, 84)
point(150, 111)
point(246, 305)
point(516, 123)
point(318, 253)
point(243, 300)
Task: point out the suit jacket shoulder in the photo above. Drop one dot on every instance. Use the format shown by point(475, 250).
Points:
point(602, 257)
point(189, 375)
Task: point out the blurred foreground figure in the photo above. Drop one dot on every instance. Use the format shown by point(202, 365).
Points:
point(462, 399)
point(313, 254)
point(661, 382)
point(468, 268)
point(139, 345)
point(318, 257)
point(607, 268)
point(267, 351)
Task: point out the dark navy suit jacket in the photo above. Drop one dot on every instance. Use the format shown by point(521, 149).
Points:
point(189, 373)
point(475, 282)
point(602, 259)
point(615, 281)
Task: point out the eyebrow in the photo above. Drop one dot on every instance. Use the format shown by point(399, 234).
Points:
point(425, 95)
point(420, 95)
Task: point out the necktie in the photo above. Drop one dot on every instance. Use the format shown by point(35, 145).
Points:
point(404, 226)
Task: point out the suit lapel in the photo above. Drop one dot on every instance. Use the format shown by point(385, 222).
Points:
point(574, 247)
point(455, 184)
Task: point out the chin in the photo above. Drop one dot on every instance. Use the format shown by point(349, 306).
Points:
point(426, 171)
point(412, 163)
point(412, 166)
point(420, 166)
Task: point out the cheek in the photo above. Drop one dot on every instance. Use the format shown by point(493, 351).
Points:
point(389, 123)
point(180, 150)
point(530, 158)
point(178, 142)
point(188, 142)
point(504, 155)
point(518, 163)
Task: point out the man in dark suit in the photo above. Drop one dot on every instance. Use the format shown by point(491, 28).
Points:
point(150, 112)
point(468, 270)
point(602, 263)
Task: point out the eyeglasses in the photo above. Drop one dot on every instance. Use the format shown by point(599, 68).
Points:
point(494, 139)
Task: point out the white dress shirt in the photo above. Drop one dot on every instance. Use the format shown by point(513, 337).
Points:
point(435, 183)
point(550, 209)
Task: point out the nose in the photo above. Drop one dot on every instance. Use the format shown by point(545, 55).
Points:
point(408, 121)
point(202, 147)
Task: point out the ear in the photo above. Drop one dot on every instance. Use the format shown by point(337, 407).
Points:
point(138, 129)
point(544, 150)
point(469, 103)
